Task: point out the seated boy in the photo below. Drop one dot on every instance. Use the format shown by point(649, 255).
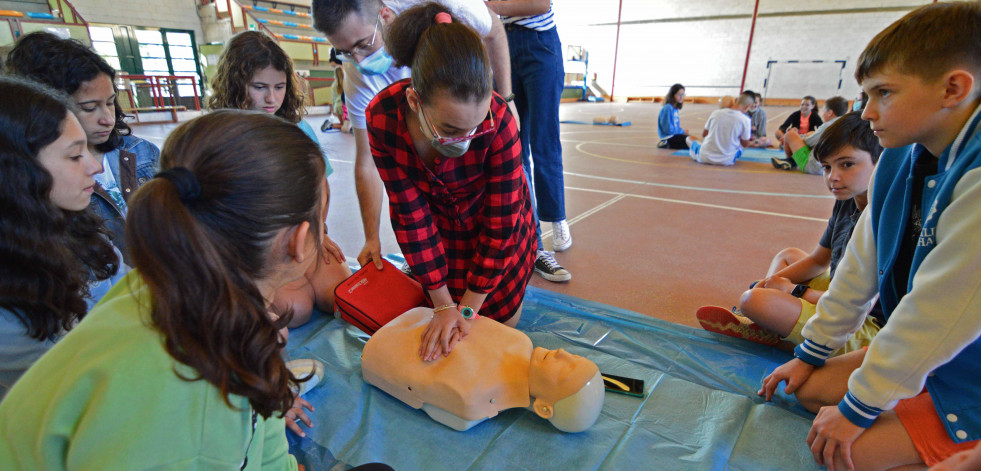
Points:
point(780, 304)
point(727, 131)
point(914, 398)
point(757, 116)
point(798, 148)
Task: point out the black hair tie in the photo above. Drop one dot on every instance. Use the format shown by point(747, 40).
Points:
point(188, 187)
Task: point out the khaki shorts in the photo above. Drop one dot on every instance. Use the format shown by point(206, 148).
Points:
point(861, 339)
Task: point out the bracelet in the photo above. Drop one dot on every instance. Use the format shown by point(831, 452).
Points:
point(443, 308)
point(467, 312)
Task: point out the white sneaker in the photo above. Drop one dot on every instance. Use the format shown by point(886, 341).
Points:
point(548, 268)
point(561, 237)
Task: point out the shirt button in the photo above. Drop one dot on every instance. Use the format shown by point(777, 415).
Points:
point(961, 434)
point(931, 183)
point(951, 418)
point(127, 160)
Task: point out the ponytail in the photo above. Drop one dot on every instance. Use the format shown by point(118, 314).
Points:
point(201, 236)
point(445, 57)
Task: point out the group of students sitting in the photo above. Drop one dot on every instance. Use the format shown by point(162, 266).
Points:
point(741, 123)
point(166, 316)
point(883, 315)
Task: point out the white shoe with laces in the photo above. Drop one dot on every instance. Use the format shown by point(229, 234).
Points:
point(549, 268)
point(561, 236)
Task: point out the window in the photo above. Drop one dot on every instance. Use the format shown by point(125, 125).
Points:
point(104, 44)
point(166, 52)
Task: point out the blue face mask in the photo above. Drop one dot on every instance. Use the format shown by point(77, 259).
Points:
point(376, 63)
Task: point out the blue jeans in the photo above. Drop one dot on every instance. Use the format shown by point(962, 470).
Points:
point(537, 77)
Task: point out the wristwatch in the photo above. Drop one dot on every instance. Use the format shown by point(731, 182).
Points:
point(467, 312)
point(799, 291)
point(509, 98)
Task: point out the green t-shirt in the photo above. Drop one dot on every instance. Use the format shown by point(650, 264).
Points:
point(106, 397)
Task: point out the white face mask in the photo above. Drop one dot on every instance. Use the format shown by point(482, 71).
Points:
point(455, 149)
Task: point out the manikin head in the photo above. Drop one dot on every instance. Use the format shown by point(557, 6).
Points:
point(567, 388)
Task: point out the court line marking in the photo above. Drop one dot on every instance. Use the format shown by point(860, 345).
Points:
point(697, 188)
point(589, 212)
point(621, 195)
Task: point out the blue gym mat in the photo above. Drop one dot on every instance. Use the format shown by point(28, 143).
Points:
point(700, 410)
point(752, 154)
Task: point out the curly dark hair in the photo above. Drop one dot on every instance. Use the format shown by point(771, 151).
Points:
point(46, 253)
point(65, 64)
point(246, 53)
point(201, 256)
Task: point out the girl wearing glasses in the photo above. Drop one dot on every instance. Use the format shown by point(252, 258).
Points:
point(254, 73)
point(448, 152)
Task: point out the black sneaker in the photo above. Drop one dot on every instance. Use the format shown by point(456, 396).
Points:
point(548, 268)
point(663, 144)
point(783, 164)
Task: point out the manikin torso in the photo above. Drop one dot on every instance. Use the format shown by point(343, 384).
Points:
point(492, 369)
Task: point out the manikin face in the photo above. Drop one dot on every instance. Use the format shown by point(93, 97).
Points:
point(268, 89)
point(902, 109)
point(805, 107)
point(72, 167)
point(96, 101)
point(554, 373)
point(358, 37)
point(847, 172)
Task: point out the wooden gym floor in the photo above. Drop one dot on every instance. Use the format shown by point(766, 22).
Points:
point(653, 233)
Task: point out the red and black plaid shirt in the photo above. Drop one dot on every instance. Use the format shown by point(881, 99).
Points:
point(467, 223)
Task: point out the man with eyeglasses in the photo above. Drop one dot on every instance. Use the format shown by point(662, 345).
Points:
point(355, 29)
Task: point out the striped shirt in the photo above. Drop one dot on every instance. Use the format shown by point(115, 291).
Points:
point(543, 22)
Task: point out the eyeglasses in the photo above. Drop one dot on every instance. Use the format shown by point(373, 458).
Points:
point(362, 50)
point(453, 140)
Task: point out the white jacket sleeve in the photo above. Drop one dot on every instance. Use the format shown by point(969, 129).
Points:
point(939, 316)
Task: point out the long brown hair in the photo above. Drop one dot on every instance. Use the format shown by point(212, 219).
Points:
point(201, 252)
point(245, 54)
point(445, 57)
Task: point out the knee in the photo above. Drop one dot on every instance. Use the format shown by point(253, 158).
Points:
point(790, 255)
point(752, 302)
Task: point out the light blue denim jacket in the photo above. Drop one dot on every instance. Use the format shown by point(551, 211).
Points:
point(132, 164)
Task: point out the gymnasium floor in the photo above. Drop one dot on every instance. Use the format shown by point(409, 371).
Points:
point(653, 233)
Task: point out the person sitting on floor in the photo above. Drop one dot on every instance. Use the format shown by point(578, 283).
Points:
point(798, 147)
point(673, 136)
point(779, 305)
point(757, 115)
point(727, 131)
point(914, 397)
point(803, 120)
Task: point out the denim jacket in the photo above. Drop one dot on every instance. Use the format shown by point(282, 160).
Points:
point(133, 164)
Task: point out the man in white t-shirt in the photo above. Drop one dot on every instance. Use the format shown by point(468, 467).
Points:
point(355, 29)
point(727, 132)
